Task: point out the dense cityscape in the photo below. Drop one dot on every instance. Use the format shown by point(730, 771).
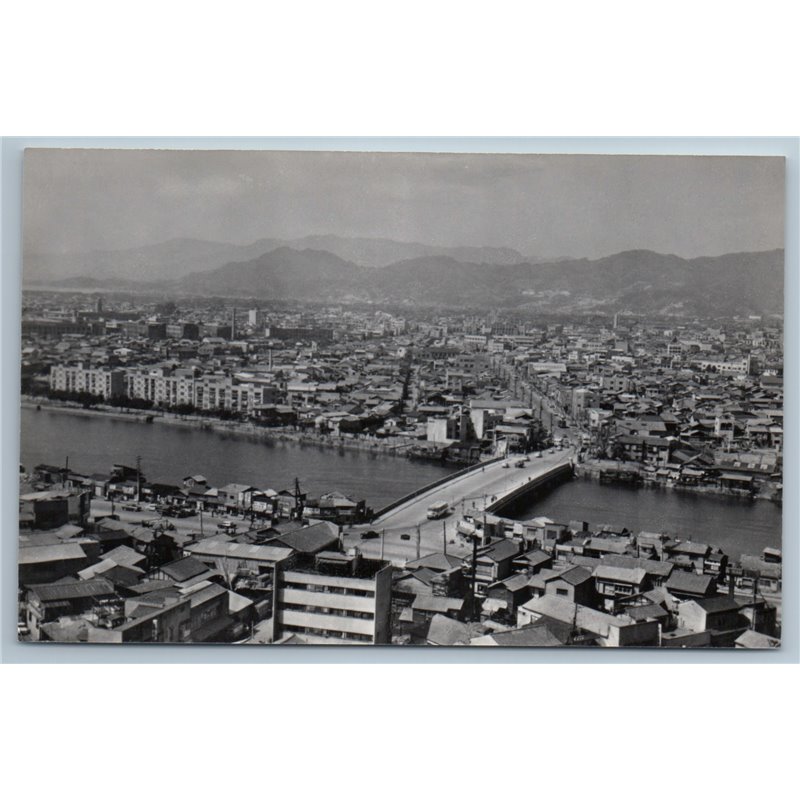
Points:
point(513, 405)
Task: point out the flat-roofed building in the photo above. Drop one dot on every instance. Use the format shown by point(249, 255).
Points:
point(334, 598)
point(105, 383)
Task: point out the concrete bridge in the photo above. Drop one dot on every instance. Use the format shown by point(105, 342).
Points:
point(491, 487)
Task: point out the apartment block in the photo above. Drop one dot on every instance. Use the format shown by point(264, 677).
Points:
point(335, 598)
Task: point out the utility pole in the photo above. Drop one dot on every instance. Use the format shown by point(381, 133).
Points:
point(202, 535)
point(418, 541)
point(444, 536)
point(138, 478)
point(383, 540)
point(474, 573)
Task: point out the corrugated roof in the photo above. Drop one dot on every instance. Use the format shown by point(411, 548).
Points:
point(50, 592)
point(311, 539)
point(250, 552)
point(42, 554)
point(184, 568)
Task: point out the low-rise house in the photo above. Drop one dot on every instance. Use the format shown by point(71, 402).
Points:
point(229, 557)
point(657, 571)
point(690, 585)
point(510, 593)
point(309, 540)
point(607, 629)
point(493, 563)
point(689, 555)
point(49, 602)
point(236, 496)
point(574, 584)
point(51, 509)
point(335, 507)
point(183, 572)
point(615, 583)
point(170, 623)
point(424, 607)
point(47, 563)
point(758, 574)
point(719, 615)
point(532, 561)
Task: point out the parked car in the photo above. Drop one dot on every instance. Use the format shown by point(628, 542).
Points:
point(505, 465)
point(227, 525)
point(151, 507)
point(131, 507)
point(370, 535)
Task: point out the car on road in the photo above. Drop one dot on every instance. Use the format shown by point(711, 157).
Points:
point(151, 507)
point(227, 525)
point(405, 536)
point(370, 535)
point(519, 464)
point(505, 466)
point(131, 507)
point(539, 454)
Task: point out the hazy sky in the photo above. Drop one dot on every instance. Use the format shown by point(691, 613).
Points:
point(79, 200)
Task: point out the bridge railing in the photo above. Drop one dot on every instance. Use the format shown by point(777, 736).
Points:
point(446, 479)
point(561, 470)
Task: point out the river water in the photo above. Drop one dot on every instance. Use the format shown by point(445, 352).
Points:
point(94, 443)
point(170, 452)
point(733, 524)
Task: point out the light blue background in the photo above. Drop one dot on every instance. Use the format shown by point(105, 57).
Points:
point(13, 651)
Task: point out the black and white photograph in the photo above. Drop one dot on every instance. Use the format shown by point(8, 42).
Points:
point(408, 399)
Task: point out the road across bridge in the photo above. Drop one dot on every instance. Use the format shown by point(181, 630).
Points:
point(471, 492)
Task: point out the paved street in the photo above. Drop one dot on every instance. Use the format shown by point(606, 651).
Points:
point(186, 525)
point(471, 492)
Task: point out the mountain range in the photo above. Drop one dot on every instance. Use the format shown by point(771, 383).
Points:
point(180, 257)
point(360, 270)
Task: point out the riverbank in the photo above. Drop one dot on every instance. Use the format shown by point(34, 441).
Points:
point(395, 446)
point(595, 470)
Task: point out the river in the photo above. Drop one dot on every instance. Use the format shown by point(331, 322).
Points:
point(94, 443)
point(735, 525)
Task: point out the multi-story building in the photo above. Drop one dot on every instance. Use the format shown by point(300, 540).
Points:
point(183, 330)
point(334, 598)
point(102, 382)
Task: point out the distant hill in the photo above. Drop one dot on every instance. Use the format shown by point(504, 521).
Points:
point(284, 272)
point(636, 281)
point(633, 281)
point(177, 258)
